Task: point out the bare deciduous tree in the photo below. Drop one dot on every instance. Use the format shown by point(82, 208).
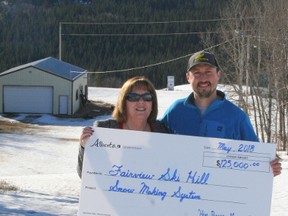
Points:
point(257, 58)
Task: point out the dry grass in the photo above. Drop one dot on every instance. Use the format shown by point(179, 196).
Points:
point(90, 110)
point(93, 109)
point(12, 127)
point(5, 186)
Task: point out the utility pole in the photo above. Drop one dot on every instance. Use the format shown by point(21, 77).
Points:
point(60, 41)
point(247, 70)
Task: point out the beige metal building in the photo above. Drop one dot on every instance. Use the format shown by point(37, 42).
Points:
point(45, 86)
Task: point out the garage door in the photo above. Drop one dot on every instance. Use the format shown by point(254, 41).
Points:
point(27, 99)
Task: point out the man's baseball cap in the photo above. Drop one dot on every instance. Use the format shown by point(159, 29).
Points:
point(202, 57)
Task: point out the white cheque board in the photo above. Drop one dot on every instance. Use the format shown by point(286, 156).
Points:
point(128, 173)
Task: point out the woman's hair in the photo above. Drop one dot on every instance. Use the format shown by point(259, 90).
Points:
point(119, 112)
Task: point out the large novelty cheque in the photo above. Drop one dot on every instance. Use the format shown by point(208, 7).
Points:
point(128, 173)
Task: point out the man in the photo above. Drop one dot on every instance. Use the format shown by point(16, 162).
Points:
point(206, 112)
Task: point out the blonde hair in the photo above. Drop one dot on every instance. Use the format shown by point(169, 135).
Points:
point(119, 112)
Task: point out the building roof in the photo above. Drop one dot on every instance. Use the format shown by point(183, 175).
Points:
point(53, 66)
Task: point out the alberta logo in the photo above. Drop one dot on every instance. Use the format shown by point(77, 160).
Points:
point(99, 143)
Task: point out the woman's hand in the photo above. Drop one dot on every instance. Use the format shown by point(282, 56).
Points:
point(276, 166)
point(86, 134)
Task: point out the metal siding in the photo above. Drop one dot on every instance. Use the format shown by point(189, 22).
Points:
point(30, 76)
point(77, 84)
point(35, 77)
point(27, 99)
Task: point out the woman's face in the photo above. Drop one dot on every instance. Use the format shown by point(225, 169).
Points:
point(140, 108)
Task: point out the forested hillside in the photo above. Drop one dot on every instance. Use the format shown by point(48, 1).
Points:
point(118, 39)
point(108, 35)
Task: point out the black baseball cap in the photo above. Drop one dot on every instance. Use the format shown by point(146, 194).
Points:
point(202, 57)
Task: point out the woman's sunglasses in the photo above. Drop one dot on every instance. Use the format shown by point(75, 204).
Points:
point(136, 97)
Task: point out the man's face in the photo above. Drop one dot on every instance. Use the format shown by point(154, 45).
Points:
point(203, 79)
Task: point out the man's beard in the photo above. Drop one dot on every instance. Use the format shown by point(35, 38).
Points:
point(205, 93)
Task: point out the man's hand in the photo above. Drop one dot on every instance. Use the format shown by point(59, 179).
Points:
point(276, 166)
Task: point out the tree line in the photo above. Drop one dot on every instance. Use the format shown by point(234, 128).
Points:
point(249, 38)
point(255, 59)
point(107, 35)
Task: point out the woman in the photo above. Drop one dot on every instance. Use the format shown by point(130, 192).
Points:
point(136, 109)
